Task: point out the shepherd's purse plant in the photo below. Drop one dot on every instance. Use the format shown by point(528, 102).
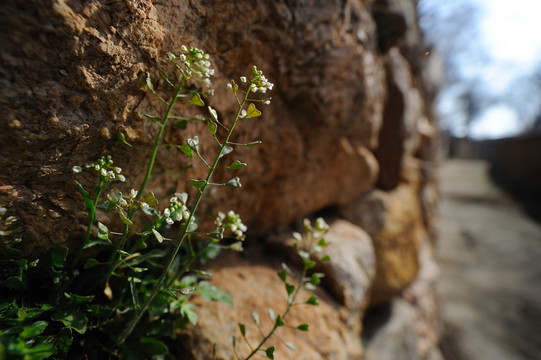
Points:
point(123, 293)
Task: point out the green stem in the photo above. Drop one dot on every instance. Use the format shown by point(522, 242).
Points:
point(122, 242)
point(290, 304)
point(91, 220)
point(183, 233)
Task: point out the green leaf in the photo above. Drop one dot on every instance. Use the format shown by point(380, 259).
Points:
point(149, 83)
point(308, 264)
point(182, 124)
point(86, 197)
point(312, 301)
point(236, 165)
point(186, 150)
point(123, 140)
point(193, 143)
point(79, 299)
point(252, 111)
point(58, 256)
point(202, 273)
point(253, 143)
point(325, 258)
point(124, 217)
point(282, 275)
point(153, 118)
point(198, 183)
point(226, 150)
point(103, 232)
point(186, 311)
point(97, 243)
point(279, 321)
point(270, 352)
point(150, 199)
point(303, 327)
point(234, 183)
point(290, 288)
point(255, 317)
point(242, 330)
point(33, 330)
point(153, 347)
point(314, 279)
point(210, 292)
point(164, 76)
point(39, 352)
point(72, 318)
point(322, 243)
point(196, 100)
point(90, 263)
point(212, 127)
point(158, 236)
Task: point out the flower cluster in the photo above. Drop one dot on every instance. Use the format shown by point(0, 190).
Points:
point(259, 82)
point(313, 240)
point(194, 63)
point(177, 209)
point(231, 222)
point(104, 167)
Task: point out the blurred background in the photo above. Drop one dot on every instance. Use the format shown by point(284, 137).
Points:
point(489, 111)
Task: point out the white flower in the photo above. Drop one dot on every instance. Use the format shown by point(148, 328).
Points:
point(243, 113)
point(133, 193)
point(213, 113)
point(183, 48)
point(103, 172)
point(229, 86)
point(169, 221)
point(144, 206)
point(77, 169)
point(243, 79)
point(121, 178)
point(122, 202)
point(167, 212)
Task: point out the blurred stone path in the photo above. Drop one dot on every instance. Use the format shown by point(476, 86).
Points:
point(489, 254)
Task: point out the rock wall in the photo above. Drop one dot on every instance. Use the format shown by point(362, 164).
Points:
point(349, 129)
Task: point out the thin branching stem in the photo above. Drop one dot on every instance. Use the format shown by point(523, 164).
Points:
point(290, 303)
point(184, 231)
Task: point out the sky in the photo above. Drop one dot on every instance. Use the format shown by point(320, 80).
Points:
point(492, 52)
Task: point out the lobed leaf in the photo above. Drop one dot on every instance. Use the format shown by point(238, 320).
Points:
point(312, 301)
point(236, 165)
point(242, 329)
point(270, 352)
point(252, 111)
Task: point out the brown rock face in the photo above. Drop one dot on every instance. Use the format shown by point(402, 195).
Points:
point(70, 85)
point(348, 129)
point(255, 287)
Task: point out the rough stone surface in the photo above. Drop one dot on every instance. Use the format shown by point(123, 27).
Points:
point(254, 286)
point(394, 221)
point(71, 74)
point(351, 270)
point(411, 328)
